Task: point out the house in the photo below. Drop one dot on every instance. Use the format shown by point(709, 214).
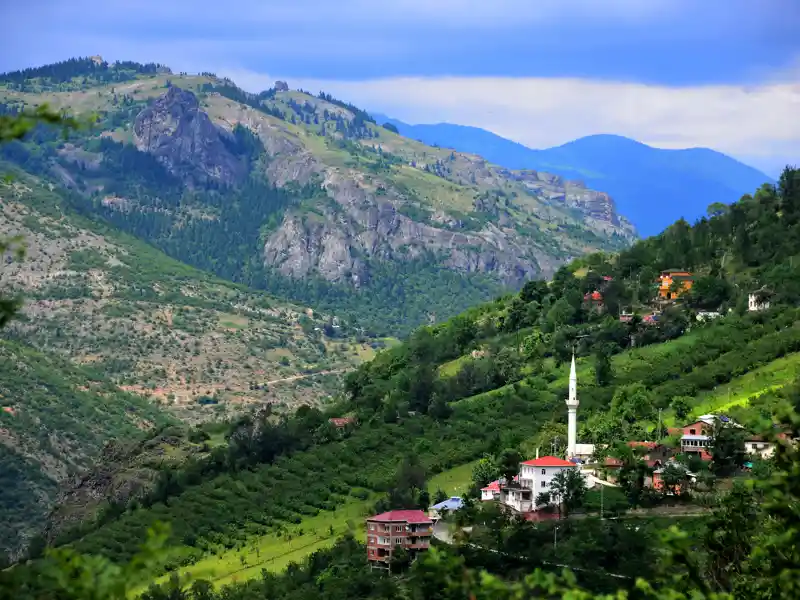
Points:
point(340, 422)
point(409, 529)
point(517, 497)
point(756, 445)
point(656, 454)
point(536, 475)
point(491, 491)
point(759, 299)
point(437, 511)
point(707, 315)
point(594, 301)
point(683, 281)
point(584, 452)
point(696, 436)
point(658, 476)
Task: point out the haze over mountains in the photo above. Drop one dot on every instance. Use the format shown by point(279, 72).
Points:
point(652, 187)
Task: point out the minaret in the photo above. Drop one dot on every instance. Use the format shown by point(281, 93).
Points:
point(572, 410)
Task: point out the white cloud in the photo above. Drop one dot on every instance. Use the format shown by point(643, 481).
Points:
point(753, 121)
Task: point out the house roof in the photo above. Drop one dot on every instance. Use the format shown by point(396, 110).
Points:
point(648, 445)
point(402, 516)
point(548, 461)
point(341, 421)
point(595, 295)
point(612, 462)
point(453, 503)
point(492, 487)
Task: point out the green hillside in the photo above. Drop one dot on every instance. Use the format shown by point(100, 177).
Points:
point(55, 419)
point(506, 391)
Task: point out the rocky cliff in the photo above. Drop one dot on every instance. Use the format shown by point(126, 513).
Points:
point(183, 138)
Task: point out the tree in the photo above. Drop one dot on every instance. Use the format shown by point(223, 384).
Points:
point(632, 403)
point(674, 478)
point(632, 472)
point(507, 464)
point(439, 496)
point(568, 488)
point(727, 449)
point(717, 209)
point(484, 472)
point(682, 407)
point(603, 372)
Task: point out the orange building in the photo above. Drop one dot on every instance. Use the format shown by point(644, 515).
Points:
point(684, 281)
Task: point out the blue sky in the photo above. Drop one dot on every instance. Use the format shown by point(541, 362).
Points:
point(672, 73)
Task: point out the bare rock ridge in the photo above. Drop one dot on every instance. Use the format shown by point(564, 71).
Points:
point(185, 141)
point(369, 218)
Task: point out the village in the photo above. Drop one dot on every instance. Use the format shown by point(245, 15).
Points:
point(533, 493)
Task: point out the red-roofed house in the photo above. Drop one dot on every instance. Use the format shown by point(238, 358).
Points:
point(491, 491)
point(410, 529)
point(594, 300)
point(536, 475)
point(340, 422)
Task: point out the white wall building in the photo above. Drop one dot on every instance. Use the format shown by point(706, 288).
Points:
point(537, 474)
point(758, 446)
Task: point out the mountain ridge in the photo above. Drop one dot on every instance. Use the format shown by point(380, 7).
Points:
point(629, 169)
point(353, 209)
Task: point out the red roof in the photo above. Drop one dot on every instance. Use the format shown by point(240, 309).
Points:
point(402, 516)
point(607, 278)
point(492, 487)
point(341, 421)
point(613, 462)
point(549, 461)
point(648, 445)
point(595, 295)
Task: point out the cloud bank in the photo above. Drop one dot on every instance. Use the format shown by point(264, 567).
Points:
point(758, 123)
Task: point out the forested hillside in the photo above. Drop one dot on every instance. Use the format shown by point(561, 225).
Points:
point(494, 378)
point(303, 196)
point(112, 338)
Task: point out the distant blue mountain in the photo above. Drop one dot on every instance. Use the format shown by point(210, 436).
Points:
point(651, 187)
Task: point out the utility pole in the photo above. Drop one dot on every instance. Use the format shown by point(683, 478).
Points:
point(555, 537)
point(659, 424)
point(602, 487)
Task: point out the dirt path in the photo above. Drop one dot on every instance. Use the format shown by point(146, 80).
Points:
point(307, 375)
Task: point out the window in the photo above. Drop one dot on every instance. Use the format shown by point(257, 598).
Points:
point(398, 528)
point(692, 432)
point(545, 484)
point(544, 471)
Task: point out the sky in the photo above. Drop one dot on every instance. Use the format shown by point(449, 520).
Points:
point(723, 74)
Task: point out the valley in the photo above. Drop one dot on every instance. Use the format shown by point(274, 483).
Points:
point(259, 319)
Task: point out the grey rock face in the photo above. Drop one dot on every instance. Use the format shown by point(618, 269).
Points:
point(360, 227)
point(185, 141)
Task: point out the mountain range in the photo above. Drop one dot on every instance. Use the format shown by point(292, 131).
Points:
point(652, 187)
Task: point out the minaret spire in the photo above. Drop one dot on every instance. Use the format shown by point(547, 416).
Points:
point(572, 410)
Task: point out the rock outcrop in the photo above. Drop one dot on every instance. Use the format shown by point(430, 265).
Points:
point(183, 138)
point(359, 227)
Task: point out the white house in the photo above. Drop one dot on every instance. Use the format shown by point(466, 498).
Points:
point(537, 474)
point(756, 445)
point(517, 497)
point(758, 300)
